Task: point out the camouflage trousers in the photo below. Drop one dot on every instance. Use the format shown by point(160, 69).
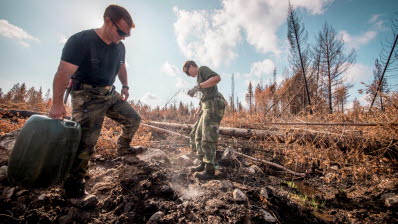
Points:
point(89, 108)
point(206, 130)
point(192, 135)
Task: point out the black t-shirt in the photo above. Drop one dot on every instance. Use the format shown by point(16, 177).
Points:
point(98, 62)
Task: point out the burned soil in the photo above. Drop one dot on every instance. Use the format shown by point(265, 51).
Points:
point(157, 187)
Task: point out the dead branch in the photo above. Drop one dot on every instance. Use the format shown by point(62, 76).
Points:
point(165, 130)
point(384, 71)
point(271, 164)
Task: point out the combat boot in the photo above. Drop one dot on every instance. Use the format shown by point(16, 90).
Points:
point(131, 150)
point(199, 168)
point(124, 148)
point(75, 188)
point(207, 174)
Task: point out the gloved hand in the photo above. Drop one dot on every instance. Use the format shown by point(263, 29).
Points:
point(194, 90)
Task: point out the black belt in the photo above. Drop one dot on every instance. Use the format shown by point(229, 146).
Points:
point(82, 85)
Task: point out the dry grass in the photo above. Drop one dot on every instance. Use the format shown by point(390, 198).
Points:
point(364, 155)
point(9, 125)
point(354, 155)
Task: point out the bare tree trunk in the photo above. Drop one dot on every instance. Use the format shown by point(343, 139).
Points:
point(296, 34)
point(337, 62)
point(384, 71)
point(318, 67)
point(301, 62)
point(329, 82)
point(342, 106)
point(381, 103)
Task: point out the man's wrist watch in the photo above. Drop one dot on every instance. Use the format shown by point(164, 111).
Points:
point(125, 87)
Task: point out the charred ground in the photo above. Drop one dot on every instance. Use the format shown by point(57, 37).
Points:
point(157, 186)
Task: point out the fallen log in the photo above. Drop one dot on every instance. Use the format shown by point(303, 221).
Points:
point(277, 136)
point(343, 141)
point(172, 125)
point(165, 130)
point(235, 132)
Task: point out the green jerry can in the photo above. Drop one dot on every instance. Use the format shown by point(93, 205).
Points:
point(44, 152)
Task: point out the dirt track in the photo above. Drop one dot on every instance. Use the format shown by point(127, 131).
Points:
point(158, 184)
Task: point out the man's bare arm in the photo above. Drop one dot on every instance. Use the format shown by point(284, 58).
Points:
point(61, 79)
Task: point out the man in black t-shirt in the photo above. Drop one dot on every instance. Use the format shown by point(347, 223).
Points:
point(92, 59)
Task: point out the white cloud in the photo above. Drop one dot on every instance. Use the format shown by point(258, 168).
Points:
point(185, 98)
point(181, 83)
point(150, 98)
point(62, 39)
point(314, 7)
point(357, 41)
point(349, 105)
point(377, 22)
point(374, 18)
point(24, 43)
point(13, 32)
point(203, 40)
point(359, 73)
point(242, 99)
point(361, 99)
point(210, 37)
point(170, 69)
point(261, 68)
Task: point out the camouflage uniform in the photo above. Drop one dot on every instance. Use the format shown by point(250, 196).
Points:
point(206, 133)
point(207, 127)
point(89, 108)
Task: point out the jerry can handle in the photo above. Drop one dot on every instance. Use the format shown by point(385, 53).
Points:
point(69, 123)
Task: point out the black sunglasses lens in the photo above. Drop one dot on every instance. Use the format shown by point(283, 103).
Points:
point(121, 33)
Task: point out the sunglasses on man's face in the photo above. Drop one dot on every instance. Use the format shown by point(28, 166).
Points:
point(120, 32)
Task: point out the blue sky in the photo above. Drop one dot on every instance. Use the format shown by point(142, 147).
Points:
point(244, 37)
